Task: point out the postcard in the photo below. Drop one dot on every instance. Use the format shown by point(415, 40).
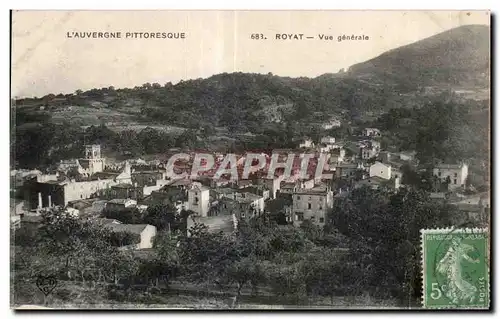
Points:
point(266, 160)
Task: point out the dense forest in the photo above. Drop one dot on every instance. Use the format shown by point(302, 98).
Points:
point(440, 128)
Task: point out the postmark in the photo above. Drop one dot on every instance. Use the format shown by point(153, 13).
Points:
point(455, 268)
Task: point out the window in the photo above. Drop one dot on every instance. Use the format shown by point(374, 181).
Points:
point(299, 216)
point(313, 219)
point(455, 181)
point(196, 200)
point(439, 174)
point(320, 207)
point(321, 220)
point(455, 175)
point(308, 205)
point(298, 197)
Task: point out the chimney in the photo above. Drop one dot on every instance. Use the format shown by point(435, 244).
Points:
point(39, 200)
point(50, 201)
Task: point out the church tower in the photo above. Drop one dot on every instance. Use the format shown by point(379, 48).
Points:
point(93, 162)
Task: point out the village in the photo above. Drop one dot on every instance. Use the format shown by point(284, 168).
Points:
point(88, 186)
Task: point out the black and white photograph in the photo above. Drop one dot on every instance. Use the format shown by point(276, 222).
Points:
point(250, 160)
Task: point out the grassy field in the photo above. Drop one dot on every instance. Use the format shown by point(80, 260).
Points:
point(71, 295)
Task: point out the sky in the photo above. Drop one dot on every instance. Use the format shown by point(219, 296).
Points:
point(45, 60)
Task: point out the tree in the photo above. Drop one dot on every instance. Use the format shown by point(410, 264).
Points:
point(386, 227)
point(126, 215)
point(162, 216)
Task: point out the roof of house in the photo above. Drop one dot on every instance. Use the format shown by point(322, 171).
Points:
point(437, 195)
point(245, 182)
point(181, 182)
point(377, 163)
point(318, 190)
point(200, 188)
point(224, 190)
point(81, 203)
point(123, 186)
point(120, 201)
point(288, 185)
point(105, 175)
point(107, 221)
point(374, 180)
point(347, 165)
point(131, 228)
point(449, 166)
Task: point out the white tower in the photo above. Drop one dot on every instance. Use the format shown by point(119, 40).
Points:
point(93, 158)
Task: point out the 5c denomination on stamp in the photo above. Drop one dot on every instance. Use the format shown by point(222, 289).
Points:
point(455, 268)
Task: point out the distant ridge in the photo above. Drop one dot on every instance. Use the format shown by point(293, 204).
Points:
point(457, 56)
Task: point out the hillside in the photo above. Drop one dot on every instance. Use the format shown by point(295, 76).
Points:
point(457, 57)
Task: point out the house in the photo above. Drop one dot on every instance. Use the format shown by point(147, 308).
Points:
point(148, 178)
point(16, 207)
point(145, 232)
point(328, 140)
point(288, 187)
point(61, 192)
point(369, 149)
point(331, 124)
point(376, 182)
point(159, 183)
point(453, 174)
point(239, 205)
point(381, 170)
point(324, 148)
point(474, 208)
point(255, 202)
point(407, 156)
point(307, 143)
point(344, 170)
point(273, 184)
point(120, 204)
point(199, 199)
point(306, 183)
point(371, 132)
point(15, 221)
point(260, 190)
point(311, 204)
point(337, 156)
point(126, 191)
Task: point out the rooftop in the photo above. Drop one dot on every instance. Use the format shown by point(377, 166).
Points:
point(131, 228)
point(200, 188)
point(180, 182)
point(123, 185)
point(120, 201)
point(449, 166)
point(318, 190)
